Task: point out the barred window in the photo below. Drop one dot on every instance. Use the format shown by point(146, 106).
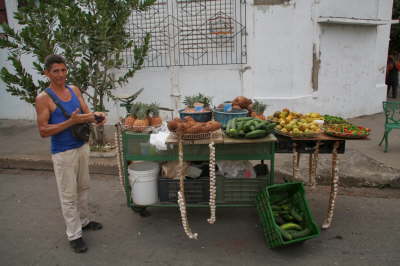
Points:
point(192, 32)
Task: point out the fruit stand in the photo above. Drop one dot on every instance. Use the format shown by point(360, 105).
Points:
point(242, 133)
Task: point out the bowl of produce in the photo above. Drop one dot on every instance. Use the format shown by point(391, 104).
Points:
point(248, 128)
point(347, 131)
point(223, 117)
point(197, 107)
point(203, 116)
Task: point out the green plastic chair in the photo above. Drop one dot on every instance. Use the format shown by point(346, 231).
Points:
point(392, 120)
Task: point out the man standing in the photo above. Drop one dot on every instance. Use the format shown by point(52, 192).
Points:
point(70, 155)
point(392, 78)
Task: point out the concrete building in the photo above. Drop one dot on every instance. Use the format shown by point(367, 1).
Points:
point(325, 56)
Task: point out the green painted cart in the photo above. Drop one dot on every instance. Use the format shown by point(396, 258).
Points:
point(231, 192)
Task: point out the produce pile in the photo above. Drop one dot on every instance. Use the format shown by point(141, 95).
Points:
point(290, 219)
point(189, 126)
point(296, 124)
point(255, 108)
point(347, 131)
point(330, 119)
point(249, 128)
point(142, 117)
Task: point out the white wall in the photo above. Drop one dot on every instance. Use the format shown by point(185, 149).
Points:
point(280, 45)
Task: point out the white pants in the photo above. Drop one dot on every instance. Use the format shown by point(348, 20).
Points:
point(72, 174)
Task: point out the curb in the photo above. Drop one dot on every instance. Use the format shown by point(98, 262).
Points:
point(96, 166)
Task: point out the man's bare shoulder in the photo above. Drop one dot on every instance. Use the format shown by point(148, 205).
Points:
point(42, 98)
point(75, 89)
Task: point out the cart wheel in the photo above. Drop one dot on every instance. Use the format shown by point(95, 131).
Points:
point(141, 211)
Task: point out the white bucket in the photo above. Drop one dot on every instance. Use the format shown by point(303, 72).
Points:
point(143, 179)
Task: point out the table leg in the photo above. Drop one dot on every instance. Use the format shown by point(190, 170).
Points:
point(334, 187)
point(296, 162)
point(313, 166)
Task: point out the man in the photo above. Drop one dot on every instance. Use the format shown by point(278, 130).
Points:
point(70, 155)
point(392, 79)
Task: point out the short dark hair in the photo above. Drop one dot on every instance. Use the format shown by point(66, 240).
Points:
point(53, 59)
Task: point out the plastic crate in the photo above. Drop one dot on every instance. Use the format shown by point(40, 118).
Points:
point(272, 233)
point(224, 117)
point(239, 190)
point(196, 190)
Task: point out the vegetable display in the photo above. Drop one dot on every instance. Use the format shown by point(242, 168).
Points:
point(290, 219)
point(330, 119)
point(347, 131)
point(248, 127)
point(294, 124)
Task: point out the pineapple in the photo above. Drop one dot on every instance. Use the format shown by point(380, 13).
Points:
point(131, 117)
point(129, 121)
point(259, 109)
point(205, 100)
point(155, 115)
point(189, 102)
point(141, 121)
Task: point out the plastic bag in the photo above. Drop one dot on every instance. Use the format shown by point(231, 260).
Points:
point(236, 169)
point(170, 169)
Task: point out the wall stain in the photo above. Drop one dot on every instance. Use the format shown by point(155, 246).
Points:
point(315, 68)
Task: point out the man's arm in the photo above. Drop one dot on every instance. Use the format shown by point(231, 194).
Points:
point(85, 108)
point(43, 115)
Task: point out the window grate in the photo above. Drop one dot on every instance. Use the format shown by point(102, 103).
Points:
point(191, 32)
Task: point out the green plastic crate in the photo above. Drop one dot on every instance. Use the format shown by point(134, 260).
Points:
point(239, 190)
point(272, 233)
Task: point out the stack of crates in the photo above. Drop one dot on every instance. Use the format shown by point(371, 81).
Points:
point(296, 194)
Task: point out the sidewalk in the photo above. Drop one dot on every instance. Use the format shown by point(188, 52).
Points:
point(363, 164)
point(23, 148)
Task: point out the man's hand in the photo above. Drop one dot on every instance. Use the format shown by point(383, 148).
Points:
point(77, 118)
point(100, 118)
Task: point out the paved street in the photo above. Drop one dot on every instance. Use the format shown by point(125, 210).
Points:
point(365, 230)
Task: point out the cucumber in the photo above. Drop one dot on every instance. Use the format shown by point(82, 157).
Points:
point(291, 226)
point(296, 215)
point(258, 133)
point(230, 124)
point(286, 235)
point(247, 125)
point(275, 208)
point(240, 125)
point(246, 118)
point(262, 124)
point(279, 220)
point(289, 218)
point(298, 234)
point(270, 126)
point(233, 133)
point(279, 198)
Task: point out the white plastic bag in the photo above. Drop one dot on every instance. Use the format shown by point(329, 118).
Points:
point(236, 169)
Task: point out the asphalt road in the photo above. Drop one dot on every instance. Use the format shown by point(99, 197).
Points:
point(365, 230)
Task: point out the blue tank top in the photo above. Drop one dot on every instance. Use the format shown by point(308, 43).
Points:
point(64, 140)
